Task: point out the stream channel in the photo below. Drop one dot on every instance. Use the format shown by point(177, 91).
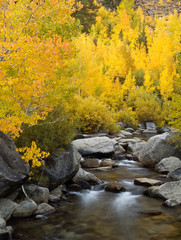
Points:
point(99, 215)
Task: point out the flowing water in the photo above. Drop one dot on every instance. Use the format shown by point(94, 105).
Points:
point(98, 215)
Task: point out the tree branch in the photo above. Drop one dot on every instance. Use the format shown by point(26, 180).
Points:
point(31, 14)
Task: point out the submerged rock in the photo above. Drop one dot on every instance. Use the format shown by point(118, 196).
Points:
point(108, 163)
point(115, 187)
point(13, 170)
point(150, 212)
point(96, 146)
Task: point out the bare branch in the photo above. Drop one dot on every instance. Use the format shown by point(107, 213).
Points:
point(31, 14)
point(45, 123)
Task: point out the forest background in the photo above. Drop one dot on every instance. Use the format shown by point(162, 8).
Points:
point(82, 65)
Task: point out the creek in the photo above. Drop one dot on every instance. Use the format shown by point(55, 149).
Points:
point(100, 215)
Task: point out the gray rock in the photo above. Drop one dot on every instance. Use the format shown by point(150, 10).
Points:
point(89, 177)
point(150, 131)
point(25, 209)
point(97, 146)
point(107, 163)
point(126, 133)
point(168, 165)
point(156, 149)
point(6, 208)
point(150, 125)
point(134, 145)
point(119, 135)
point(163, 130)
point(131, 130)
point(56, 194)
point(175, 175)
point(138, 132)
point(36, 193)
point(2, 223)
point(13, 170)
point(90, 163)
point(62, 167)
point(44, 208)
point(115, 187)
point(170, 191)
point(147, 182)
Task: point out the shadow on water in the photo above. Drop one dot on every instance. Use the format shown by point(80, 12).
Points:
point(100, 215)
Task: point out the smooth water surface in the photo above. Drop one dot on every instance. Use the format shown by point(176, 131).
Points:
point(99, 215)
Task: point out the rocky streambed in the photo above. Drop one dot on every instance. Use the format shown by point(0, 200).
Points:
point(108, 194)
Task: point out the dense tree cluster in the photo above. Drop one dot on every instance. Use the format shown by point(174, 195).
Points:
point(81, 63)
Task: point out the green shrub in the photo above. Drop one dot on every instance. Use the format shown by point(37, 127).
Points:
point(56, 132)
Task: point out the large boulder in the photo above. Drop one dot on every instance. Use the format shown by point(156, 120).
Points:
point(157, 148)
point(96, 146)
point(169, 164)
point(13, 170)
point(169, 191)
point(89, 177)
point(61, 167)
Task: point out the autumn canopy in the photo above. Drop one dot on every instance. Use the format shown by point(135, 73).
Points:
point(59, 68)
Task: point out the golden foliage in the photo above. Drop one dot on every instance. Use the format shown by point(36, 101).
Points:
point(33, 154)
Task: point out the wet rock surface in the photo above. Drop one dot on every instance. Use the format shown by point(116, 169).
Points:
point(147, 182)
point(115, 187)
